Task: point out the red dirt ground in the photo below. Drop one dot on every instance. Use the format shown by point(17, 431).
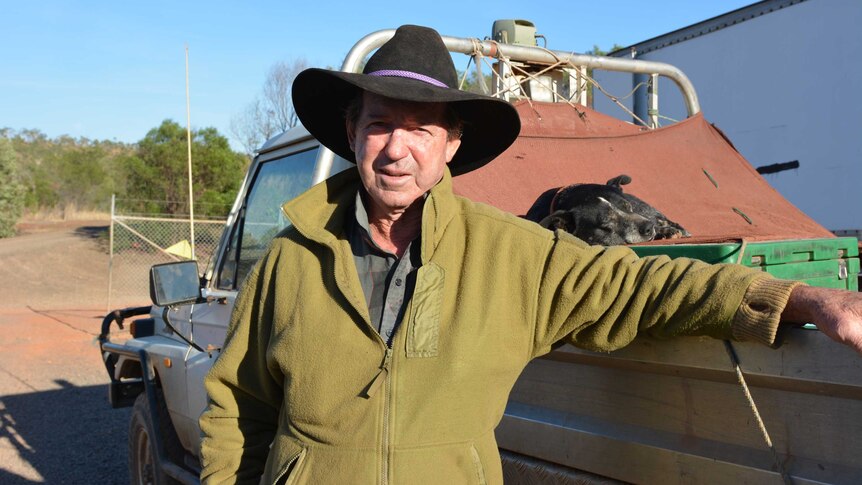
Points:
point(54, 410)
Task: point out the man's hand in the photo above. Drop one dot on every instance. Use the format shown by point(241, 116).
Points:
point(837, 313)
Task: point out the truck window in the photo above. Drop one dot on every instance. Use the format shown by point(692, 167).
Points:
point(276, 182)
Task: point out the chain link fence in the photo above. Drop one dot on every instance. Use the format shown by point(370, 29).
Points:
point(140, 240)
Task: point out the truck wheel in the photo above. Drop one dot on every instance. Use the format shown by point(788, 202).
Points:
point(144, 468)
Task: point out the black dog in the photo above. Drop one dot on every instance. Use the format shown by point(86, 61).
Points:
point(603, 214)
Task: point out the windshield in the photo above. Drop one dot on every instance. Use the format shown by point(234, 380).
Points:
point(276, 182)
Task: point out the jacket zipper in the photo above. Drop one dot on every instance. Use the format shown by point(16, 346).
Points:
point(384, 478)
point(382, 379)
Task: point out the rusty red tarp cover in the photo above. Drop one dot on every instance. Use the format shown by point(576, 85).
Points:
point(687, 170)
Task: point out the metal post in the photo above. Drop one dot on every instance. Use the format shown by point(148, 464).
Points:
point(110, 254)
point(505, 82)
point(652, 104)
point(582, 85)
point(639, 97)
point(189, 137)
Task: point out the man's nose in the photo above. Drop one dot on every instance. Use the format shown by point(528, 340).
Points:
point(397, 145)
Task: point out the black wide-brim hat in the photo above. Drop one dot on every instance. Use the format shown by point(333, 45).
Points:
point(412, 66)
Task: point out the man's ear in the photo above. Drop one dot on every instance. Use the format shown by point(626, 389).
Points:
point(452, 148)
point(351, 135)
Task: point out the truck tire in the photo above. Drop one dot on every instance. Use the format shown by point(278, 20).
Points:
point(144, 468)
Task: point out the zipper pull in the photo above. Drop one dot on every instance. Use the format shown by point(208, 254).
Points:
point(381, 375)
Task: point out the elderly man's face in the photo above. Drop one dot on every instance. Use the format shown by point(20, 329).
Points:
point(401, 148)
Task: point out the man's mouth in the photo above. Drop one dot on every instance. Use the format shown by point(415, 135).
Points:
point(393, 175)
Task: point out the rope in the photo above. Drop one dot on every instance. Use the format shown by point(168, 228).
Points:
point(600, 88)
point(587, 79)
point(639, 85)
point(535, 77)
point(464, 77)
point(477, 54)
point(779, 465)
point(668, 118)
point(615, 100)
point(559, 62)
point(740, 378)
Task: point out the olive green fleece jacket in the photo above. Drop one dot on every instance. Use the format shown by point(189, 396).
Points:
point(306, 391)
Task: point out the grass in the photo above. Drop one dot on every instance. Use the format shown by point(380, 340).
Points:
point(69, 212)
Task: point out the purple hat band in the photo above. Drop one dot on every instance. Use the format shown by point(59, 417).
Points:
point(408, 75)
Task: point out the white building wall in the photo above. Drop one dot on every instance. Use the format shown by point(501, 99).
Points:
point(783, 86)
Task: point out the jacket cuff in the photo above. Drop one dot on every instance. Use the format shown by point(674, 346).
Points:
point(760, 311)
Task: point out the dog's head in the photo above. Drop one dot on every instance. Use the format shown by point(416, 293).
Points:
point(598, 220)
point(603, 214)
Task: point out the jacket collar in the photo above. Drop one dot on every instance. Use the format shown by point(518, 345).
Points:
point(440, 207)
point(331, 201)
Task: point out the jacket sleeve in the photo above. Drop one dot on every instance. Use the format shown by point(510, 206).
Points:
point(245, 393)
point(601, 298)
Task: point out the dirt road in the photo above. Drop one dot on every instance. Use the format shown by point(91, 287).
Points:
point(56, 425)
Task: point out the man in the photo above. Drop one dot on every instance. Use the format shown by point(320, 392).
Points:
point(378, 339)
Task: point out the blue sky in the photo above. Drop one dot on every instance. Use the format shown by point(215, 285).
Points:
point(115, 69)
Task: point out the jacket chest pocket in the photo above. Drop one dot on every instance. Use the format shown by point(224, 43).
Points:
point(423, 330)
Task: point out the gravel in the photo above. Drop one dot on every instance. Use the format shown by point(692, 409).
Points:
point(56, 425)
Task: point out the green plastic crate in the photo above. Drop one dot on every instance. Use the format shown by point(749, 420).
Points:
point(831, 263)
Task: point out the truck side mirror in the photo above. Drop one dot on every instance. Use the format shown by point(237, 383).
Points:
point(174, 283)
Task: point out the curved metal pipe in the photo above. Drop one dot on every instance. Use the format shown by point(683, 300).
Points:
point(518, 53)
point(536, 54)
